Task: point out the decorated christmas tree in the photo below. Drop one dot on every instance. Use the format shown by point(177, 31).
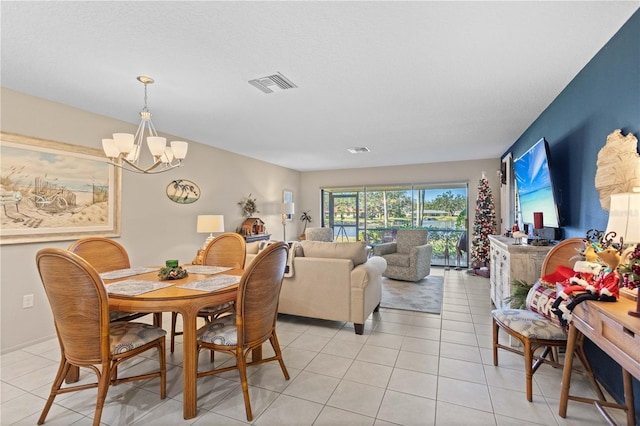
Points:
point(484, 224)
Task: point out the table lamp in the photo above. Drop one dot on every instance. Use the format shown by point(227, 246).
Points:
point(624, 220)
point(287, 209)
point(210, 223)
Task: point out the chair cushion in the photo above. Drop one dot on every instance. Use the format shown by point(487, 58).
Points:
point(222, 332)
point(211, 310)
point(397, 259)
point(125, 336)
point(529, 324)
point(116, 315)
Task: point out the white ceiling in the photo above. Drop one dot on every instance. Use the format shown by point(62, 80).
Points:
point(416, 82)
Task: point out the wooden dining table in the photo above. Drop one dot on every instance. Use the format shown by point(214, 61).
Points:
point(186, 302)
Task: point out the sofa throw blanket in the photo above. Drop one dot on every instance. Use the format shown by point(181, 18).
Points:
point(293, 246)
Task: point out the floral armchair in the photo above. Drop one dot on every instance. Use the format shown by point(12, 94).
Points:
point(409, 257)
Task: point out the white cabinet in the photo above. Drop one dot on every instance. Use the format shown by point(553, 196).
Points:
point(509, 262)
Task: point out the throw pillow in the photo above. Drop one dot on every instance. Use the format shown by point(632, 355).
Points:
point(540, 299)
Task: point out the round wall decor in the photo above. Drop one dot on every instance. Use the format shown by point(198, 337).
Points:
point(183, 191)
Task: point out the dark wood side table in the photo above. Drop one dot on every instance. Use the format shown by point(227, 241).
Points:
point(259, 237)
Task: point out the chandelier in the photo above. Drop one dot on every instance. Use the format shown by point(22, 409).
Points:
point(124, 149)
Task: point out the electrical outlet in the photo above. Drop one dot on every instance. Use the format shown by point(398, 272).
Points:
point(27, 301)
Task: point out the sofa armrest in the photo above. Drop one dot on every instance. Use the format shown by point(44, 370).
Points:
point(385, 248)
point(418, 252)
point(372, 269)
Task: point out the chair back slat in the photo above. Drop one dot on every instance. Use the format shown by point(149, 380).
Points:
point(258, 295)
point(101, 253)
point(565, 253)
point(79, 304)
point(228, 249)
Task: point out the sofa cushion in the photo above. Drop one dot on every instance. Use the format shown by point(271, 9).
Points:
point(355, 251)
point(397, 259)
point(253, 247)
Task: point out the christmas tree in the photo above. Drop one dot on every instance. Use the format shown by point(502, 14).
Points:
point(484, 224)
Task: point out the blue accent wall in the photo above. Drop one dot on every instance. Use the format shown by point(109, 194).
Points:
point(603, 97)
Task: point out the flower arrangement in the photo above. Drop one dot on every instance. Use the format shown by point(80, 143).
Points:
point(248, 206)
point(172, 273)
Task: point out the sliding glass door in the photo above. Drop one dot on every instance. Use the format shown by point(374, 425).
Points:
point(375, 213)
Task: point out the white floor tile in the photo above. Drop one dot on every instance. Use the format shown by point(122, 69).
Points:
point(409, 368)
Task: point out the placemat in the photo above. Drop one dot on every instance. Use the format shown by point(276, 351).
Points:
point(122, 273)
point(134, 287)
point(213, 283)
point(205, 269)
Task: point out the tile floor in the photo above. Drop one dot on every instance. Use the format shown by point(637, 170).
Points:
point(407, 369)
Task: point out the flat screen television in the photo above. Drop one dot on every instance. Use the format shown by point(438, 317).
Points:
point(534, 185)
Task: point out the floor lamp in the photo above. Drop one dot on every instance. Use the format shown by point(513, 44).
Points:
point(287, 210)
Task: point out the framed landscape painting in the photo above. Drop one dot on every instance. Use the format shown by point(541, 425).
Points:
point(54, 191)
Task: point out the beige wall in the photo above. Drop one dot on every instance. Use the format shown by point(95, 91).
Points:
point(459, 171)
point(153, 227)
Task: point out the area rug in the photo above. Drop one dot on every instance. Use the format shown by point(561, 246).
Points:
point(422, 296)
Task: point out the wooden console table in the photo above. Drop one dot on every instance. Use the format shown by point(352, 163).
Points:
point(608, 325)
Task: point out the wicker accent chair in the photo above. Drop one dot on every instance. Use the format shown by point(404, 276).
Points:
point(534, 331)
point(87, 338)
point(228, 250)
point(255, 320)
point(106, 255)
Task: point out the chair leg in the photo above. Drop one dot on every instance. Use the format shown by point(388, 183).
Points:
point(528, 365)
point(157, 319)
point(276, 348)
point(174, 318)
point(495, 342)
point(63, 368)
point(103, 386)
point(242, 369)
point(163, 368)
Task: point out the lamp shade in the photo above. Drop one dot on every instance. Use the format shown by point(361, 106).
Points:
point(288, 208)
point(210, 223)
point(624, 217)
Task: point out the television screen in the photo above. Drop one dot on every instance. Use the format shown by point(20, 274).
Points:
point(534, 186)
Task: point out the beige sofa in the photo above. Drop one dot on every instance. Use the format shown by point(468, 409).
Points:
point(332, 281)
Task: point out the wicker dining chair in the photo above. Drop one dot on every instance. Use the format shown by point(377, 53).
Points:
point(534, 331)
point(227, 250)
point(107, 255)
point(254, 322)
point(87, 338)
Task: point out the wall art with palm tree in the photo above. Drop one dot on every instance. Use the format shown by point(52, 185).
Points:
point(183, 191)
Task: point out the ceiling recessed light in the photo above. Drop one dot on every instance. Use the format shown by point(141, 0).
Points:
point(359, 150)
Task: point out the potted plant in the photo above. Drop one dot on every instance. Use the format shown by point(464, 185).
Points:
point(305, 218)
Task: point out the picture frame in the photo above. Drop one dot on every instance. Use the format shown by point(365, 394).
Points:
point(183, 191)
point(55, 191)
point(287, 197)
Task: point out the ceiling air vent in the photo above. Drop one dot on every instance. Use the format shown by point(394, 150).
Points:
point(359, 150)
point(271, 83)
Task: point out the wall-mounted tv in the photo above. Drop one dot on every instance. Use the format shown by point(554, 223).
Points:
point(534, 185)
